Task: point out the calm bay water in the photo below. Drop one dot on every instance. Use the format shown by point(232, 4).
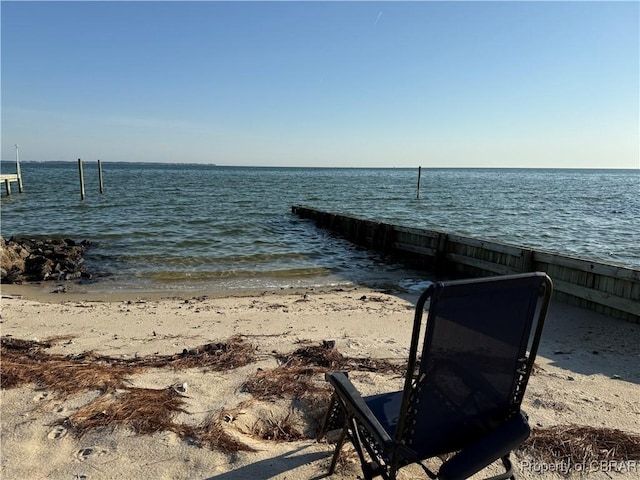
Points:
point(196, 227)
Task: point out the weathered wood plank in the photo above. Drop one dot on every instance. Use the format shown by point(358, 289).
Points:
point(481, 264)
point(418, 231)
point(493, 246)
point(405, 247)
point(600, 297)
point(587, 266)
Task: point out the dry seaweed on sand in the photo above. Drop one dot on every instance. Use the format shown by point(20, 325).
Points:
point(280, 420)
point(285, 382)
point(233, 353)
point(57, 373)
point(212, 434)
point(25, 361)
point(327, 358)
point(580, 447)
point(299, 377)
point(31, 346)
point(147, 411)
point(144, 410)
point(301, 387)
point(278, 429)
point(294, 378)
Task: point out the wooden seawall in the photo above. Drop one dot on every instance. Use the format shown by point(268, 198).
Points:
point(602, 287)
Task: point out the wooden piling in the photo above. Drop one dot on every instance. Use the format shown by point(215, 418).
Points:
point(18, 171)
point(81, 173)
point(418, 191)
point(100, 176)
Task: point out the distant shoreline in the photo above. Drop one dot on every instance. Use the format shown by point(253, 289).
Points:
point(306, 167)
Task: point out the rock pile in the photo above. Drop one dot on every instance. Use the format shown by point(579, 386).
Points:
point(29, 260)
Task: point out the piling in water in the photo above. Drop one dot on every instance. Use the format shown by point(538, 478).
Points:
point(81, 173)
point(100, 176)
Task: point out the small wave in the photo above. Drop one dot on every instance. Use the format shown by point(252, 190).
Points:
point(413, 285)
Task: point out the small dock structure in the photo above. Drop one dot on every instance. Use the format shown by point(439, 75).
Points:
point(8, 178)
point(605, 288)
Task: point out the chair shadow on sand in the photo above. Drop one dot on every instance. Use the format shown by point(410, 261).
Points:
point(274, 466)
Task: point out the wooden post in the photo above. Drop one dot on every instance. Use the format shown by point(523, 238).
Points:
point(100, 176)
point(81, 179)
point(526, 260)
point(18, 172)
point(419, 173)
point(7, 184)
point(440, 263)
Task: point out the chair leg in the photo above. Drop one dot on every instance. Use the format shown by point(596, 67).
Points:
point(506, 461)
point(336, 452)
point(508, 473)
point(369, 469)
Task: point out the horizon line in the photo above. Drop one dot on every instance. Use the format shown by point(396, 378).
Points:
point(326, 167)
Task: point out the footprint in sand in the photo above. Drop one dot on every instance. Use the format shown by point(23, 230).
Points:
point(169, 438)
point(89, 453)
point(57, 433)
point(41, 396)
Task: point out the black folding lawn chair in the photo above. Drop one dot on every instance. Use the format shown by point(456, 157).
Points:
point(462, 394)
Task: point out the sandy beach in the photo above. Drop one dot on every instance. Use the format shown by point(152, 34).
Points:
point(586, 374)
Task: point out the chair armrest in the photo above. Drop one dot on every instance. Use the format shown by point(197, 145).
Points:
point(486, 450)
point(355, 406)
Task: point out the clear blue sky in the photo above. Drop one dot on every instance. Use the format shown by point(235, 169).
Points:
point(360, 84)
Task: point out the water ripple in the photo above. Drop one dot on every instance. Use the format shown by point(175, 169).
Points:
point(193, 223)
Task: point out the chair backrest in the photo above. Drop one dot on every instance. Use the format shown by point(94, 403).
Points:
point(479, 345)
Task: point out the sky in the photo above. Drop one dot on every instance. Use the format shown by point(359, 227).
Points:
point(336, 84)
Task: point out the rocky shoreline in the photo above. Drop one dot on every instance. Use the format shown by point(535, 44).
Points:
point(35, 260)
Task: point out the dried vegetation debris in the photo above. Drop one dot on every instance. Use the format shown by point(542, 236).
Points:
point(297, 385)
point(582, 448)
point(25, 361)
point(283, 428)
point(278, 420)
point(299, 380)
point(213, 435)
point(327, 358)
point(288, 401)
point(143, 410)
point(148, 411)
point(299, 375)
point(220, 356)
